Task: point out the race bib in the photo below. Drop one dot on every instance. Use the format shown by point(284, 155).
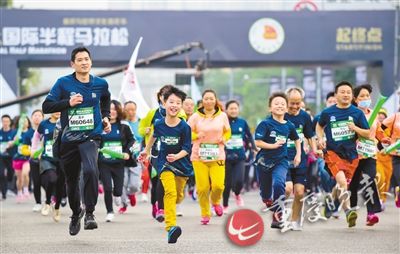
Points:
point(3, 147)
point(290, 143)
point(279, 137)
point(340, 131)
point(209, 152)
point(235, 142)
point(48, 148)
point(81, 119)
point(366, 148)
point(115, 146)
point(169, 140)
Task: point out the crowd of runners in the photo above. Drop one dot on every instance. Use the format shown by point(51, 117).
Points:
point(201, 150)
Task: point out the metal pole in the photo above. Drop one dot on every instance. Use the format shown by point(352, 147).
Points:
point(319, 88)
point(283, 78)
point(231, 85)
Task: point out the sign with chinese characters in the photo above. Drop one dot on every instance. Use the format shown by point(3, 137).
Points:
point(359, 38)
point(55, 40)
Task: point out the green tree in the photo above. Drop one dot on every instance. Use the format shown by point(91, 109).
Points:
point(6, 3)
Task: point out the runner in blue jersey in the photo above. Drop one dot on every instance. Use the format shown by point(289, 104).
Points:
point(84, 103)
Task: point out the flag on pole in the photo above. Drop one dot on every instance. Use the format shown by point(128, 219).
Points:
point(194, 90)
point(130, 88)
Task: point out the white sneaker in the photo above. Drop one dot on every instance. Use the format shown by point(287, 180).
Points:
point(296, 226)
point(179, 210)
point(144, 198)
point(45, 210)
point(56, 215)
point(336, 214)
point(109, 217)
point(117, 201)
point(37, 208)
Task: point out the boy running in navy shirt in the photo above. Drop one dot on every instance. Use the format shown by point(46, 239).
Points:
point(272, 160)
point(174, 166)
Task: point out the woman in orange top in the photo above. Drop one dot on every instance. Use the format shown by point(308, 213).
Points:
point(383, 167)
point(210, 130)
point(391, 127)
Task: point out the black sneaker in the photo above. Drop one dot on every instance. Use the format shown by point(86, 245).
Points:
point(90, 222)
point(276, 220)
point(63, 202)
point(75, 224)
point(173, 234)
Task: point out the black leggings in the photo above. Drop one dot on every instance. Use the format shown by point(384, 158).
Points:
point(111, 175)
point(157, 189)
point(396, 170)
point(234, 178)
point(61, 191)
point(36, 178)
point(365, 176)
point(49, 179)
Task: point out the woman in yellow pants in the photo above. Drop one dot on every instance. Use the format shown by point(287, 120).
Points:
point(210, 130)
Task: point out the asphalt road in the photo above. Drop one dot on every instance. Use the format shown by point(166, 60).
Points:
point(23, 231)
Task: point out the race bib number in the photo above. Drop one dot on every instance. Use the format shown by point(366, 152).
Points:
point(340, 131)
point(209, 151)
point(48, 148)
point(235, 142)
point(81, 119)
point(170, 141)
point(3, 147)
point(115, 146)
point(279, 137)
point(290, 143)
point(366, 148)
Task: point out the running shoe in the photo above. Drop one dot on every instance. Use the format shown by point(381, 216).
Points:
point(179, 212)
point(90, 222)
point(372, 219)
point(194, 195)
point(144, 198)
point(63, 202)
point(56, 215)
point(160, 215)
point(219, 211)
point(101, 189)
point(154, 210)
point(205, 220)
point(132, 199)
point(45, 210)
point(123, 209)
point(276, 220)
point(397, 196)
point(110, 217)
point(351, 217)
point(173, 234)
point(20, 198)
point(226, 209)
point(37, 208)
point(75, 224)
point(239, 200)
point(117, 201)
point(296, 226)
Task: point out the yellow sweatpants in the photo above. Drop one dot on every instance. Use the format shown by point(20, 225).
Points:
point(383, 174)
point(173, 194)
point(210, 177)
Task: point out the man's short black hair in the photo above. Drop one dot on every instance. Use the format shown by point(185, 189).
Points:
point(77, 50)
point(329, 95)
point(343, 83)
point(173, 90)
